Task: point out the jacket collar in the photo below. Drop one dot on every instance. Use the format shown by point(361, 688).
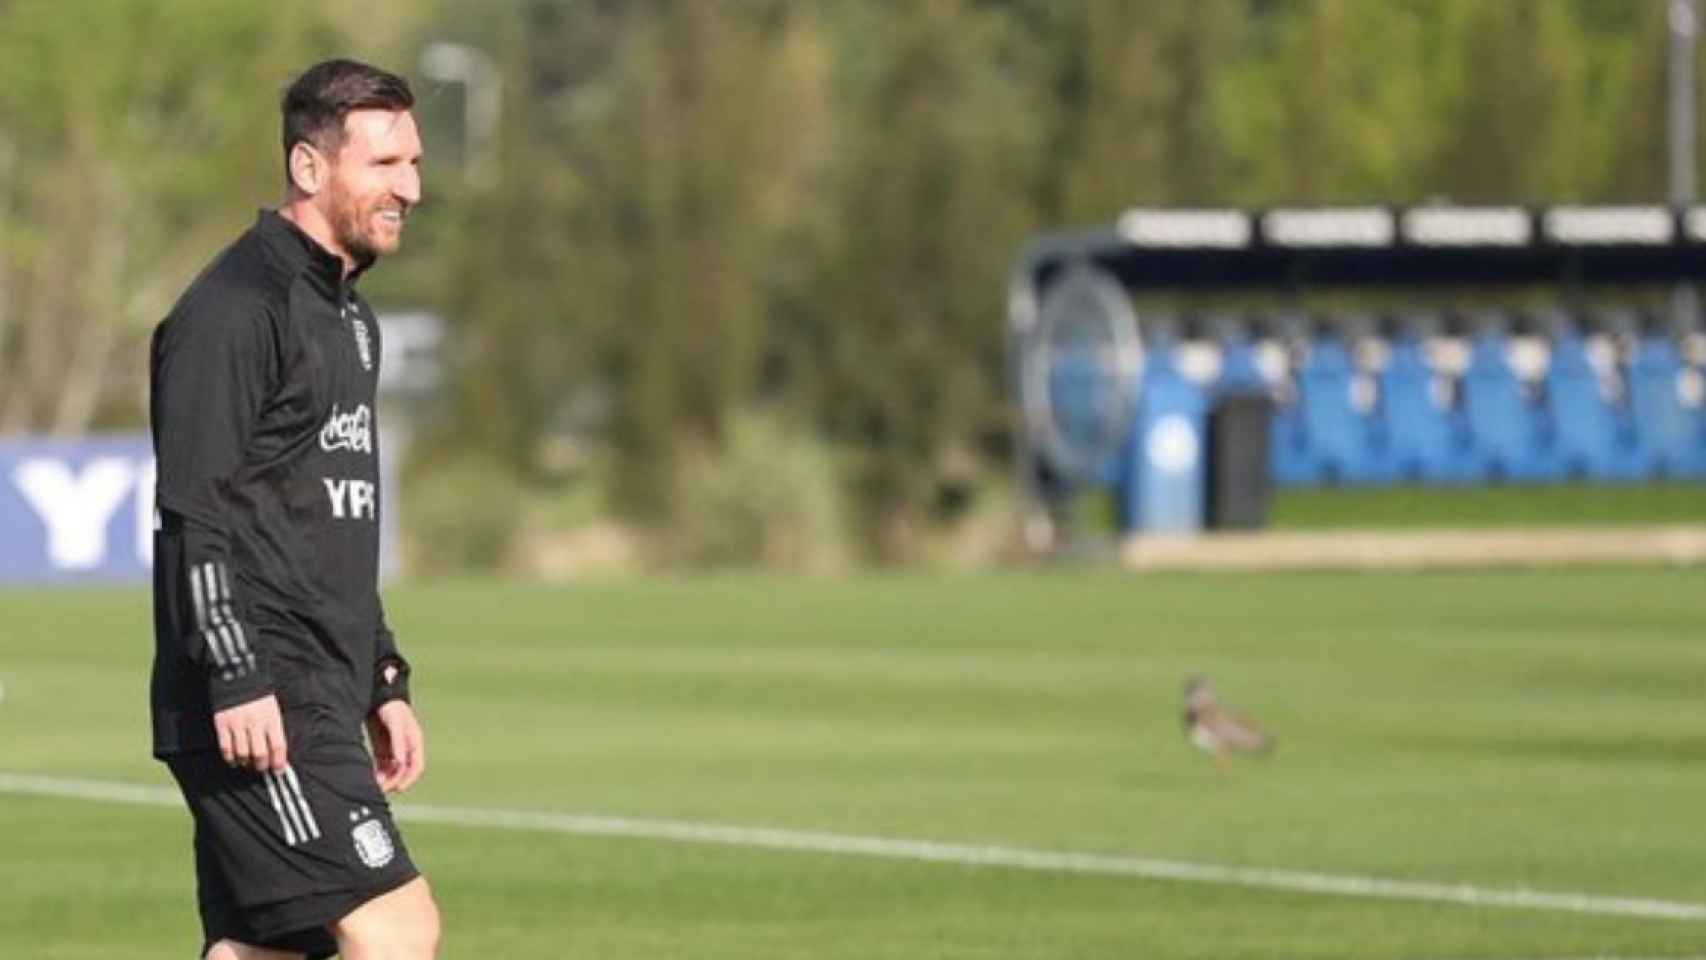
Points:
point(304, 254)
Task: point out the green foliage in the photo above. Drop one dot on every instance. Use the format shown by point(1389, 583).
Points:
point(937, 148)
point(463, 512)
point(1516, 109)
point(136, 138)
point(1142, 124)
point(701, 160)
point(1348, 123)
point(697, 207)
point(770, 497)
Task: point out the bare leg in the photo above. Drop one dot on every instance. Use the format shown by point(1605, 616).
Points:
point(232, 950)
point(401, 925)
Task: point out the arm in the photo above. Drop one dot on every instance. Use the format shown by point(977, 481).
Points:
point(213, 371)
point(390, 670)
point(394, 733)
point(399, 746)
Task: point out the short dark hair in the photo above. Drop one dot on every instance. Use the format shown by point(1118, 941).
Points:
point(317, 102)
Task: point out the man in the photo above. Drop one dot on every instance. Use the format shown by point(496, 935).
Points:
point(271, 650)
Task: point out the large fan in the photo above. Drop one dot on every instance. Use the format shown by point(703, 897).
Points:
point(1080, 372)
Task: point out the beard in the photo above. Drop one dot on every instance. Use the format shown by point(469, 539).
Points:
point(352, 221)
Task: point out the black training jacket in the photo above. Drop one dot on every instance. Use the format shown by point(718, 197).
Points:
point(266, 550)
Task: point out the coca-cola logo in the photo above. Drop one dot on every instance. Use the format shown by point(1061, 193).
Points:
point(348, 431)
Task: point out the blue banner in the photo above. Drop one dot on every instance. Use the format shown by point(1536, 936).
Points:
point(76, 511)
point(82, 511)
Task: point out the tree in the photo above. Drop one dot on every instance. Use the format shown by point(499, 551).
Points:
point(937, 144)
point(135, 139)
point(1627, 141)
point(1515, 120)
point(624, 248)
point(1335, 102)
point(1139, 110)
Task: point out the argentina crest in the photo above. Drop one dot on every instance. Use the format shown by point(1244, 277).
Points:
point(372, 843)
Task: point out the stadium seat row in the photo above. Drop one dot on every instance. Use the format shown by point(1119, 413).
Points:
point(1425, 410)
point(1571, 410)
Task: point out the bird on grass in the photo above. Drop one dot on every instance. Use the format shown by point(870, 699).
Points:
point(1217, 730)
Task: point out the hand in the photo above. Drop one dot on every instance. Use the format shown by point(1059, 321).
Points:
point(251, 735)
point(399, 746)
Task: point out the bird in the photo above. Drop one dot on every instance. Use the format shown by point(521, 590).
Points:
point(1216, 729)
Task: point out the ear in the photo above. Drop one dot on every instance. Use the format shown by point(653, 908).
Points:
point(309, 168)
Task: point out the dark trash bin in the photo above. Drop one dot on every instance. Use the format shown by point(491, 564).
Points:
point(1240, 482)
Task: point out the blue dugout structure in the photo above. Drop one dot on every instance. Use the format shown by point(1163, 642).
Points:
point(1443, 396)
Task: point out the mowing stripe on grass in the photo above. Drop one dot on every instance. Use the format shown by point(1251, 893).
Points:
point(1296, 881)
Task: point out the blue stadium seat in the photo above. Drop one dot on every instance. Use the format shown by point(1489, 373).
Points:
point(1288, 448)
point(1663, 431)
point(1332, 429)
point(1341, 439)
point(1289, 462)
point(1238, 370)
point(1506, 431)
point(1592, 439)
point(1426, 441)
point(1693, 463)
point(1289, 456)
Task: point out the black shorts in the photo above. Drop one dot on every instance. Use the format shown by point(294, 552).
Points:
point(280, 856)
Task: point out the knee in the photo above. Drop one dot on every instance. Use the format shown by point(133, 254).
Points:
point(403, 925)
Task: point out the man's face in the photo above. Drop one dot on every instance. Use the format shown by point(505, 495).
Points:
point(375, 181)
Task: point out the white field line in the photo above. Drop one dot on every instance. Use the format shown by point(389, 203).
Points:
point(1296, 881)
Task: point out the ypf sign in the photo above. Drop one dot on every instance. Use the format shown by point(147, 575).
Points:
point(76, 510)
point(82, 511)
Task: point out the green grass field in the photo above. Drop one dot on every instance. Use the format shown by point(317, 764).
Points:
point(1564, 505)
point(1508, 730)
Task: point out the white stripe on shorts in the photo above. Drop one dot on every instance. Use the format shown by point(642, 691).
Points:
point(278, 808)
point(277, 782)
point(313, 830)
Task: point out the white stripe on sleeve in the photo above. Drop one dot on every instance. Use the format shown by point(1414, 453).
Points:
point(202, 590)
point(227, 615)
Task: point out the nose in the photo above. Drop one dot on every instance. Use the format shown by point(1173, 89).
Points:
point(407, 184)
